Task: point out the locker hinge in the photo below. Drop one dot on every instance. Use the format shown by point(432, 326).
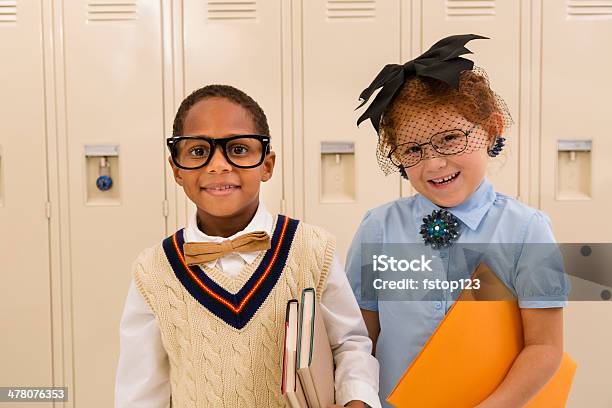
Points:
point(165, 208)
point(282, 206)
point(48, 209)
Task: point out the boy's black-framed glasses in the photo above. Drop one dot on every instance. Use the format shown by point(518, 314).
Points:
point(445, 143)
point(242, 151)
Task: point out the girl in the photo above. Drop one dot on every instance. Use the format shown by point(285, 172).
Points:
point(203, 323)
point(438, 123)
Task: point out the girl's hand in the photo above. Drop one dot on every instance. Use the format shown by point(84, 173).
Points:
point(352, 404)
point(536, 363)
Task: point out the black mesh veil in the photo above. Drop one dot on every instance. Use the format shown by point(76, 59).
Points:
point(438, 104)
point(428, 119)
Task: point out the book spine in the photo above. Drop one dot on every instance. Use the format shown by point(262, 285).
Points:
point(309, 388)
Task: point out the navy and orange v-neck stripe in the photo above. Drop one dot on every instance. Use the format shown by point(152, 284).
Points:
point(235, 309)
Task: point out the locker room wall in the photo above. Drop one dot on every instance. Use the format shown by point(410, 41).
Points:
point(85, 73)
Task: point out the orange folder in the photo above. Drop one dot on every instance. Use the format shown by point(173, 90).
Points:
point(471, 351)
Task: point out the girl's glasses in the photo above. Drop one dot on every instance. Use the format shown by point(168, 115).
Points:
point(446, 143)
point(194, 152)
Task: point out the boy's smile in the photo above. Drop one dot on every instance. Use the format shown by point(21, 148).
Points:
point(226, 196)
point(220, 189)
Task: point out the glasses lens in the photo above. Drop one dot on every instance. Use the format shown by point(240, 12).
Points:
point(406, 154)
point(244, 151)
point(450, 142)
point(191, 153)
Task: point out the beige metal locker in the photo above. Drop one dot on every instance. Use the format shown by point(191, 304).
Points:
point(345, 44)
point(575, 167)
point(499, 56)
point(25, 303)
point(576, 64)
point(113, 126)
point(239, 43)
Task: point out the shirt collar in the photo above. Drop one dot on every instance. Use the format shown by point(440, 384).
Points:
point(261, 221)
point(471, 211)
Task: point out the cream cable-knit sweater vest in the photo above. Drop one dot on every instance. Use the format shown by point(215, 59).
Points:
point(212, 363)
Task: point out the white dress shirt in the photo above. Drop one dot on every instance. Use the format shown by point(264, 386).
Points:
point(143, 372)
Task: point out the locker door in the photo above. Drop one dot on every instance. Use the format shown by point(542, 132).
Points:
point(576, 64)
point(575, 184)
point(238, 43)
point(25, 304)
point(345, 44)
point(499, 56)
point(114, 117)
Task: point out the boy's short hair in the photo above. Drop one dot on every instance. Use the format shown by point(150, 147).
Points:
point(222, 91)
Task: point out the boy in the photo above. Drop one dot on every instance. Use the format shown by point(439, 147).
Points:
point(203, 323)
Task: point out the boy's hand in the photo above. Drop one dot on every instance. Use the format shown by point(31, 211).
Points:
point(352, 404)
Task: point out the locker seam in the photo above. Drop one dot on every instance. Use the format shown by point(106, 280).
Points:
point(421, 26)
point(292, 111)
point(282, 107)
point(68, 265)
point(302, 141)
point(540, 61)
point(520, 99)
point(400, 54)
point(182, 43)
point(61, 259)
point(43, 39)
point(164, 106)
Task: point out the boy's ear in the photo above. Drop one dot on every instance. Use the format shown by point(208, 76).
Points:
point(268, 166)
point(175, 171)
point(495, 125)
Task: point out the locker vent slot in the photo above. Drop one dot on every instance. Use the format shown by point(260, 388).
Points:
point(8, 11)
point(347, 10)
point(112, 10)
point(470, 9)
point(589, 9)
point(232, 10)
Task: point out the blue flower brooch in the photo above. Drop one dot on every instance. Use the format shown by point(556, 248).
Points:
point(440, 229)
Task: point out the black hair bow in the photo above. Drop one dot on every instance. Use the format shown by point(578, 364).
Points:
point(442, 61)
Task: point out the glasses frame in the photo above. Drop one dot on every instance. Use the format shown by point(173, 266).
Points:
point(466, 133)
point(222, 143)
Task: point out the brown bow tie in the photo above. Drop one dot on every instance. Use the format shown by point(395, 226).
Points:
point(202, 252)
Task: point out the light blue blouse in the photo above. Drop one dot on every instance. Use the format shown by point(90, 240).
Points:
point(485, 217)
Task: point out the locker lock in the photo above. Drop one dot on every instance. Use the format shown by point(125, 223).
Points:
point(104, 181)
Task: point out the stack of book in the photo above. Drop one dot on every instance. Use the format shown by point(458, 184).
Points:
point(308, 363)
